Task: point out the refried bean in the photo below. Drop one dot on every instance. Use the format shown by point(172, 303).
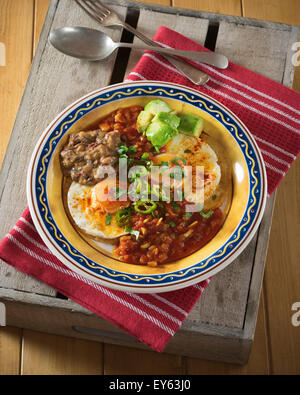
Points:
point(86, 151)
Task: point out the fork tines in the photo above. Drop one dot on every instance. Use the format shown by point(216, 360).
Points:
point(95, 9)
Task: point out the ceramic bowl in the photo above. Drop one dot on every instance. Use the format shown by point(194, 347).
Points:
point(246, 178)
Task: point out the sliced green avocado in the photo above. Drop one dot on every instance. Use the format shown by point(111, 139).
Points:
point(159, 133)
point(191, 125)
point(156, 106)
point(170, 119)
point(143, 120)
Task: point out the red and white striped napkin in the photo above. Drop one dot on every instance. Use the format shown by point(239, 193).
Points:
point(272, 114)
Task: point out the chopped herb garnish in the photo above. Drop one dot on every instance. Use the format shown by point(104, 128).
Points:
point(133, 232)
point(162, 163)
point(119, 192)
point(145, 156)
point(157, 149)
point(172, 224)
point(214, 197)
point(206, 215)
point(188, 214)
point(132, 149)
point(108, 219)
point(187, 151)
point(122, 149)
point(175, 205)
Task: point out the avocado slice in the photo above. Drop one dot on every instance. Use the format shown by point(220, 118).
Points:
point(156, 106)
point(191, 125)
point(143, 120)
point(170, 119)
point(159, 133)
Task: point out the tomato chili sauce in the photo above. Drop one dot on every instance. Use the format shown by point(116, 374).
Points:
point(169, 232)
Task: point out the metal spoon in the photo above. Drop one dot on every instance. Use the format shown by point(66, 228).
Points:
point(91, 44)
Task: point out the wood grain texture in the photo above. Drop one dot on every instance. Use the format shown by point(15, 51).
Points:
point(51, 354)
point(282, 276)
point(287, 11)
point(230, 7)
point(16, 21)
point(161, 2)
point(40, 11)
point(10, 350)
point(124, 360)
point(35, 114)
point(258, 362)
point(282, 273)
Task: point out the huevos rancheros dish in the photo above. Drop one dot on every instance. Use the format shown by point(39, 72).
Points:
point(148, 179)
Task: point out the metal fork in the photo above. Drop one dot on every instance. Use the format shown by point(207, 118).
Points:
point(102, 14)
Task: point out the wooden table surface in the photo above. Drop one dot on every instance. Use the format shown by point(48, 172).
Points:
point(276, 348)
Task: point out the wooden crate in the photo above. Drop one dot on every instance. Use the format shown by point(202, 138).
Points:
point(221, 326)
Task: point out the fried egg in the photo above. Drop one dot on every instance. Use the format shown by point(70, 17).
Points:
point(93, 210)
point(193, 152)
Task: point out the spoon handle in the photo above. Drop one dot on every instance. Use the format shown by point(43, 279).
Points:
point(195, 75)
point(211, 58)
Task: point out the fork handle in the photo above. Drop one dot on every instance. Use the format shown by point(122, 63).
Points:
point(195, 75)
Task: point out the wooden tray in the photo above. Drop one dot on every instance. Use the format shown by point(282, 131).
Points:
point(221, 326)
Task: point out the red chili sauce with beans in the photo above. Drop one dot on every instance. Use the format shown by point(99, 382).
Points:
point(168, 233)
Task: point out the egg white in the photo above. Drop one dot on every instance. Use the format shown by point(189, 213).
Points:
point(88, 215)
point(197, 153)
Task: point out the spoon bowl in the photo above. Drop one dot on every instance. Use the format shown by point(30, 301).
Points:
point(91, 44)
point(82, 43)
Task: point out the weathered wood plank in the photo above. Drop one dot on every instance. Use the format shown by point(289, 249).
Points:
point(16, 21)
point(51, 354)
point(10, 350)
point(140, 362)
point(257, 49)
point(273, 10)
point(40, 11)
point(257, 363)
point(231, 7)
point(150, 21)
point(52, 75)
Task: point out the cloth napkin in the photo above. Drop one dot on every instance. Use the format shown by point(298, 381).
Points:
point(272, 114)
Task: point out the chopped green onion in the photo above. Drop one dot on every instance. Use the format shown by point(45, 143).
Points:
point(206, 215)
point(133, 232)
point(145, 206)
point(175, 205)
point(119, 192)
point(162, 163)
point(108, 219)
point(172, 224)
point(188, 214)
point(145, 156)
point(122, 149)
point(132, 149)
